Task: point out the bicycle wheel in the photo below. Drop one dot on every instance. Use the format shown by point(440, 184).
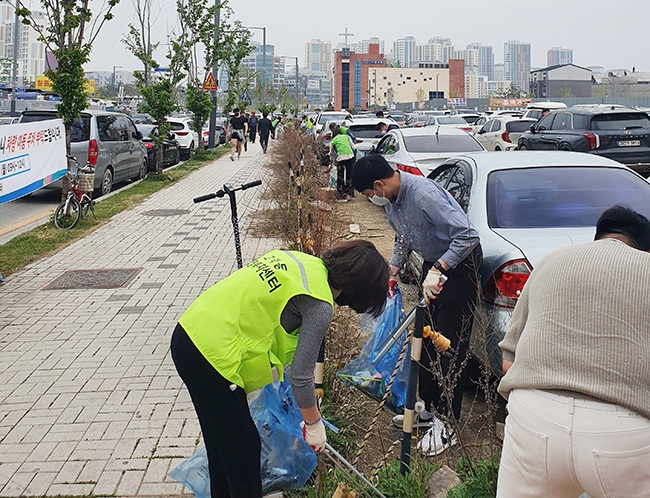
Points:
point(67, 214)
point(87, 204)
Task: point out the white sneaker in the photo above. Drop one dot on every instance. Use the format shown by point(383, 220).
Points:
point(421, 419)
point(437, 439)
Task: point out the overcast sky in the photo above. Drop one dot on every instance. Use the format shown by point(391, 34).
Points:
point(600, 32)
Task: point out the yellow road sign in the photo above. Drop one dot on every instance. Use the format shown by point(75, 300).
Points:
point(209, 83)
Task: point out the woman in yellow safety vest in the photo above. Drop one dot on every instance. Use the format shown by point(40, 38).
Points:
point(273, 312)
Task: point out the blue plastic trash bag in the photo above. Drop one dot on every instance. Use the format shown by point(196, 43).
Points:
point(370, 372)
point(286, 460)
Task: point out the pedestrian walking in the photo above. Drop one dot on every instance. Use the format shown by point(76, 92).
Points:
point(342, 153)
point(428, 220)
point(252, 127)
point(273, 312)
point(575, 358)
point(237, 129)
point(265, 127)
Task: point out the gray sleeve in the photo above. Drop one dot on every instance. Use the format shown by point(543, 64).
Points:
point(316, 319)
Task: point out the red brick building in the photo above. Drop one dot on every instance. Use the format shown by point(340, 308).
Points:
point(456, 78)
point(351, 76)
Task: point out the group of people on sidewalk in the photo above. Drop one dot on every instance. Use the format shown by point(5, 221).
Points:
point(573, 357)
point(244, 128)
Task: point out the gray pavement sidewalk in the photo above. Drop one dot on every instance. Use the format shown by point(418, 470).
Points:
point(90, 402)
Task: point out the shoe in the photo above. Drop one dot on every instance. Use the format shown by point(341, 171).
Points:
point(421, 419)
point(437, 439)
point(232, 158)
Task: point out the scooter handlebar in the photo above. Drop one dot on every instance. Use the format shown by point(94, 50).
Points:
point(251, 184)
point(206, 197)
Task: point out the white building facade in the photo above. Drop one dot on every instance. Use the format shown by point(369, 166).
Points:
point(31, 51)
point(516, 57)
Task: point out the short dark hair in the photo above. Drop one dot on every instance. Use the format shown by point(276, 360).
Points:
point(333, 125)
point(360, 272)
point(624, 221)
point(368, 170)
point(236, 110)
point(379, 114)
point(380, 125)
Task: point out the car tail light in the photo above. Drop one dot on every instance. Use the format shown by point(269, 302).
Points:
point(327, 137)
point(148, 145)
point(409, 169)
point(505, 285)
point(593, 141)
point(93, 152)
point(505, 136)
point(181, 133)
point(359, 140)
point(466, 128)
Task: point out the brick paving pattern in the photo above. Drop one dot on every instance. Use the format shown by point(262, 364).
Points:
point(90, 401)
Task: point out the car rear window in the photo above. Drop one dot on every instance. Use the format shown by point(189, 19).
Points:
point(518, 126)
point(620, 121)
point(561, 196)
point(365, 131)
point(444, 120)
point(331, 117)
point(80, 131)
point(442, 143)
point(176, 126)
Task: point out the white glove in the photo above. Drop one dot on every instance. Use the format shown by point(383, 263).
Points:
point(432, 285)
point(314, 435)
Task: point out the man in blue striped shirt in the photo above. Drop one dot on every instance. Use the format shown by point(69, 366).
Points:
point(428, 220)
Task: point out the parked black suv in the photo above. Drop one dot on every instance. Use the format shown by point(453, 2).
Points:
point(616, 132)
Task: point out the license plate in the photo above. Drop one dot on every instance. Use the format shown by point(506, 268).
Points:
point(628, 143)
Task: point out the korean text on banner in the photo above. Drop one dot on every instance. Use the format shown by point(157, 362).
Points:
point(32, 155)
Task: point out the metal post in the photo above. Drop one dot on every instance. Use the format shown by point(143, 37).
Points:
point(235, 223)
point(213, 113)
point(409, 405)
point(15, 61)
point(264, 55)
point(297, 84)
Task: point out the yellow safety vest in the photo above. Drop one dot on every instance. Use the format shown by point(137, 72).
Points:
point(235, 324)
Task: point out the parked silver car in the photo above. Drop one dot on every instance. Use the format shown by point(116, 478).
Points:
point(421, 150)
point(524, 205)
point(109, 141)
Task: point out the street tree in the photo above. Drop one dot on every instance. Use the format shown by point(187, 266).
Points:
point(235, 45)
point(69, 36)
point(138, 41)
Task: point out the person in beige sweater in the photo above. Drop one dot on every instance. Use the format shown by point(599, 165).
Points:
point(577, 378)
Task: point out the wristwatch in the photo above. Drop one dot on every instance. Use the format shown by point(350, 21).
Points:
point(438, 266)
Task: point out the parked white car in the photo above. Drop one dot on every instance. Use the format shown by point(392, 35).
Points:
point(184, 135)
point(503, 132)
point(536, 109)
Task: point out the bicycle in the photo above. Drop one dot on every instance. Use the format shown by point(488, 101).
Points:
point(78, 202)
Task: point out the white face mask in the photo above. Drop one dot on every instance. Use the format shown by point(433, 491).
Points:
point(380, 201)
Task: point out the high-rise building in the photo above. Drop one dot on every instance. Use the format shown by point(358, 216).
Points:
point(363, 46)
point(499, 72)
point(472, 61)
point(262, 62)
point(485, 59)
point(404, 50)
point(318, 57)
point(31, 51)
point(430, 52)
point(558, 56)
point(516, 57)
point(445, 42)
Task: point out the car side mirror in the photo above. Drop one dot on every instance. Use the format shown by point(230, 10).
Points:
point(170, 136)
point(481, 131)
point(533, 129)
point(137, 135)
point(372, 150)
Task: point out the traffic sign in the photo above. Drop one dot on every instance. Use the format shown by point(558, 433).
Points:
point(209, 83)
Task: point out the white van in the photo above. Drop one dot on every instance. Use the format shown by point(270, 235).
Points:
point(535, 109)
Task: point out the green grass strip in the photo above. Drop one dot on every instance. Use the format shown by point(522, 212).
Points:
point(47, 239)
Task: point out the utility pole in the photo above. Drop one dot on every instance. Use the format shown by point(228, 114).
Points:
point(15, 61)
point(215, 68)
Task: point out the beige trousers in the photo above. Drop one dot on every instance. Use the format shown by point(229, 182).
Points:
point(557, 445)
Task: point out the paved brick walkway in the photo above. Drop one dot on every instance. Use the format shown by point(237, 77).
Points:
point(90, 402)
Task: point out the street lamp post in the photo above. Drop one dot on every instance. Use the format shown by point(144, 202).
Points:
point(215, 68)
point(114, 76)
point(297, 74)
point(15, 61)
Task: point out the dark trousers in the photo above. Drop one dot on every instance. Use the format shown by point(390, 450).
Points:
point(451, 314)
point(231, 438)
point(251, 135)
point(344, 177)
point(264, 140)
